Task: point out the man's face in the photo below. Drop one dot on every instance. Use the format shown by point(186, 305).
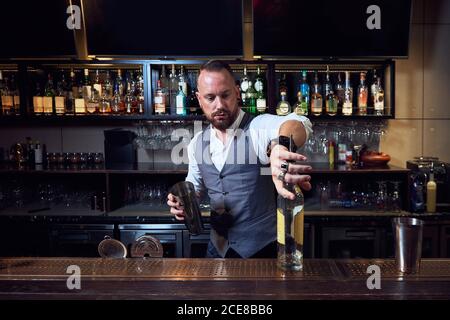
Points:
point(218, 97)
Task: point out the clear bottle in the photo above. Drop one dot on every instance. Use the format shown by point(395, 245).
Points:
point(290, 229)
point(60, 97)
point(245, 85)
point(373, 89)
point(261, 103)
point(299, 107)
point(129, 98)
point(173, 91)
point(7, 99)
point(181, 102)
point(182, 81)
point(116, 100)
point(119, 81)
point(164, 81)
point(304, 90)
point(92, 105)
point(251, 99)
point(379, 99)
point(49, 94)
point(97, 83)
point(347, 107)
point(38, 101)
point(431, 191)
point(159, 100)
point(16, 96)
point(316, 97)
point(283, 107)
point(87, 89)
point(331, 101)
point(362, 95)
point(340, 92)
point(107, 87)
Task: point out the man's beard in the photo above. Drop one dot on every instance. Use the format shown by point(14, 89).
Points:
point(226, 121)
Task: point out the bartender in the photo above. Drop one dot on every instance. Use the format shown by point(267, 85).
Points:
point(238, 161)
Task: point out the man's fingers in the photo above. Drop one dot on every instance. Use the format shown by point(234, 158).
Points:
point(176, 211)
point(179, 217)
point(298, 168)
point(286, 155)
point(296, 178)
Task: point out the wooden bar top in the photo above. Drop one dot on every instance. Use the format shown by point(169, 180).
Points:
point(168, 278)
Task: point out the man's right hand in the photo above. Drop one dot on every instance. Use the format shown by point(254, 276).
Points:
point(175, 207)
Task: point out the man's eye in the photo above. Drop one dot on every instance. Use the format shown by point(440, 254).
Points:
point(225, 96)
point(210, 98)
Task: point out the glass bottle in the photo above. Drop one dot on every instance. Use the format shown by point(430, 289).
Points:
point(92, 104)
point(119, 81)
point(316, 97)
point(97, 84)
point(77, 89)
point(379, 99)
point(261, 103)
point(245, 85)
point(251, 99)
point(283, 107)
point(49, 93)
point(116, 100)
point(340, 92)
point(305, 94)
point(16, 97)
point(60, 97)
point(373, 89)
point(87, 89)
point(164, 84)
point(362, 95)
point(182, 81)
point(347, 107)
point(173, 91)
point(193, 104)
point(38, 101)
point(128, 100)
point(290, 228)
point(181, 102)
point(159, 100)
point(107, 87)
point(331, 101)
point(68, 93)
point(7, 99)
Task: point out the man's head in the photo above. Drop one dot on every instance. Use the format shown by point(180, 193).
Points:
point(218, 94)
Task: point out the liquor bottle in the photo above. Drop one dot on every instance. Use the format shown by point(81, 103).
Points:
point(129, 98)
point(70, 99)
point(347, 107)
point(305, 94)
point(340, 92)
point(1, 90)
point(165, 84)
point(159, 100)
point(92, 105)
point(7, 99)
point(282, 85)
point(379, 99)
point(299, 106)
point(251, 99)
point(192, 102)
point(87, 89)
point(78, 92)
point(60, 97)
point(140, 102)
point(283, 107)
point(431, 191)
point(261, 103)
point(119, 81)
point(105, 103)
point(316, 97)
point(38, 101)
point(97, 84)
point(331, 101)
point(181, 102)
point(290, 226)
point(107, 87)
point(49, 93)
point(245, 84)
point(362, 95)
point(116, 100)
point(16, 97)
point(173, 91)
point(182, 81)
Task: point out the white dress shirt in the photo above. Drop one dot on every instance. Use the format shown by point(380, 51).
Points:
point(263, 129)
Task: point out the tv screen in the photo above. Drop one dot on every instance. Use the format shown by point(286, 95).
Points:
point(35, 29)
point(164, 28)
point(328, 28)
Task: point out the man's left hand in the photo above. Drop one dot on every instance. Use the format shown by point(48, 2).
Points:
point(280, 155)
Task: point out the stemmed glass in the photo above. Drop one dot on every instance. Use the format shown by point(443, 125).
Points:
point(380, 200)
point(394, 199)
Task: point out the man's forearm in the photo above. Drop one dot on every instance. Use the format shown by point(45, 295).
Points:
point(296, 129)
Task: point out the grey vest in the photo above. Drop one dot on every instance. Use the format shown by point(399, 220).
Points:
point(240, 190)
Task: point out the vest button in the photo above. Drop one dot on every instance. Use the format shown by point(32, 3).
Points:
point(224, 193)
point(221, 176)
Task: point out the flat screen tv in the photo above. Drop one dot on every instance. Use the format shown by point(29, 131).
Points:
point(164, 28)
point(330, 28)
point(35, 29)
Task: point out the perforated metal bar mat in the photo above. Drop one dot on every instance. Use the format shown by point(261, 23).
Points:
point(429, 268)
point(164, 268)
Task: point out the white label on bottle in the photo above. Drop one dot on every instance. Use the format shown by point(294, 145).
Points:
point(80, 106)
point(258, 86)
point(38, 155)
point(347, 108)
point(244, 86)
point(158, 100)
point(16, 100)
point(7, 101)
point(38, 104)
point(48, 104)
point(261, 104)
point(98, 88)
point(59, 105)
point(180, 105)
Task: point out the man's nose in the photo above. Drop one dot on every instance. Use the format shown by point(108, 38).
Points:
point(220, 103)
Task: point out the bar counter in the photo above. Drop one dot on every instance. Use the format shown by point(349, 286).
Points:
point(206, 279)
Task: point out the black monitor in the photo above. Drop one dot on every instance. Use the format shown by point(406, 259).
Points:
point(35, 29)
point(330, 28)
point(164, 28)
